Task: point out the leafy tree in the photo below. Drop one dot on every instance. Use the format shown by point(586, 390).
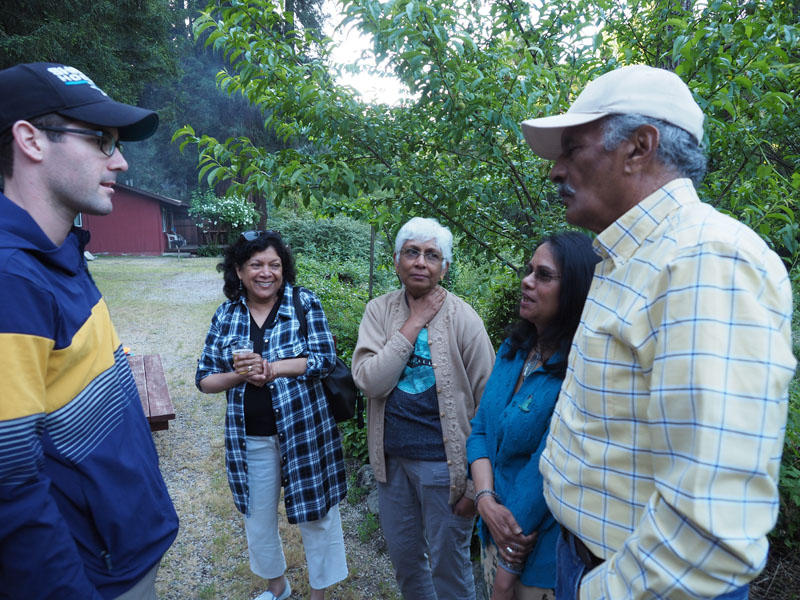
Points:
point(741, 60)
point(103, 38)
point(475, 71)
point(143, 52)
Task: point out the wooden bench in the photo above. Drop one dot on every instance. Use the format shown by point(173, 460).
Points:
point(153, 391)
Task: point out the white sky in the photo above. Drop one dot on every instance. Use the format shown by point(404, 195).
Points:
point(347, 49)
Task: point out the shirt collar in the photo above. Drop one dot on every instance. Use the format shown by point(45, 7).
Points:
point(285, 300)
point(620, 240)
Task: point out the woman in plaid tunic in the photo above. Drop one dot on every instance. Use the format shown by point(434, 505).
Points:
point(278, 430)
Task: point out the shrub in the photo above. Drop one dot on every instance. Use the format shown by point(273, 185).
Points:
point(493, 293)
point(343, 299)
point(209, 250)
point(221, 212)
point(367, 528)
point(340, 239)
point(787, 530)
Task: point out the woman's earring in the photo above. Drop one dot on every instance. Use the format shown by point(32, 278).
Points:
point(240, 285)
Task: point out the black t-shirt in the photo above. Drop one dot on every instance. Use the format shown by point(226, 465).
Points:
point(259, 418)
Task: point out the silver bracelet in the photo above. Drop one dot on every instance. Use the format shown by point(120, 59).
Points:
point(487, 492)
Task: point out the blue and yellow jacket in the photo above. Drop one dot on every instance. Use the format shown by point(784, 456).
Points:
point(84, 511)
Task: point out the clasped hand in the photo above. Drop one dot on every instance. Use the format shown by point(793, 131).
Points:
point(512, 545)
point(254, 369)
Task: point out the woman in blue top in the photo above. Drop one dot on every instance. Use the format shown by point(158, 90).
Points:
point(517, 531)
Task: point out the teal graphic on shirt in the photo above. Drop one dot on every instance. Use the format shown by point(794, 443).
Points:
point(418, 374)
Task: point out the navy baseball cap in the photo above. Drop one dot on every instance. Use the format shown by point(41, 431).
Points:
point(35, 89)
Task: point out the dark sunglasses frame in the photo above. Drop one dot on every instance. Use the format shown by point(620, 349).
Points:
point(253, 235)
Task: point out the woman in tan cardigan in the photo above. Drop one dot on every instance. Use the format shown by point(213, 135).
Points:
point(422, 359)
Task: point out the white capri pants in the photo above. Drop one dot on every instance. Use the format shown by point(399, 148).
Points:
point(322, 540)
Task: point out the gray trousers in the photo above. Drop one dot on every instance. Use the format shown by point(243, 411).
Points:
point(145, 589)
point(427, 542)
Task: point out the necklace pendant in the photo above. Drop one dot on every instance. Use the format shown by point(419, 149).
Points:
point(530, 364)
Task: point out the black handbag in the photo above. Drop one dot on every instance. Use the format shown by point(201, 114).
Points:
point(344, 398)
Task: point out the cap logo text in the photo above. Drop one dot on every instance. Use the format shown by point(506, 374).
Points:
point(72, 76)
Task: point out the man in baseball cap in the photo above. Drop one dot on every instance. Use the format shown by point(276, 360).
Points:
point(84, 511)
point(664, 448)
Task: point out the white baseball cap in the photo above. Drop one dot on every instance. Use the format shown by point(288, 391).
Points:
point(636, 89)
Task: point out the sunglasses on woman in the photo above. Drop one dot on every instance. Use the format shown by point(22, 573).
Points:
point(252, 236)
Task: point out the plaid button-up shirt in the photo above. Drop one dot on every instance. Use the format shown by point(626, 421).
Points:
point(312, 465)
point(666, 440)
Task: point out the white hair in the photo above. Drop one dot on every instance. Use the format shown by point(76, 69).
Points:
point(422, 230)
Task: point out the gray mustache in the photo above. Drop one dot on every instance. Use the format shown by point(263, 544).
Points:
point(565, 189)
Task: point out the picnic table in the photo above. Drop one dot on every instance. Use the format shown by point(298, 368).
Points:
point(152, 385)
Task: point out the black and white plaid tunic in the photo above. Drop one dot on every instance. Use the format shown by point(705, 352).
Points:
point(312, 465)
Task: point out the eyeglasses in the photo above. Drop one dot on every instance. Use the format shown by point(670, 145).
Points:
point(540, 274)
point(105, 141)
point(430, 256)
point(252, 236)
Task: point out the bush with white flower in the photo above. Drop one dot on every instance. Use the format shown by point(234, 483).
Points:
point(227, 213)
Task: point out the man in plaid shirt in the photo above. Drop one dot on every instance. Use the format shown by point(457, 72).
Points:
point(664, 449)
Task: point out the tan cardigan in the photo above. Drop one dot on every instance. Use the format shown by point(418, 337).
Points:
point(462, 357)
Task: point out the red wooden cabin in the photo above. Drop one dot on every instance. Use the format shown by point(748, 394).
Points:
point(139, 224)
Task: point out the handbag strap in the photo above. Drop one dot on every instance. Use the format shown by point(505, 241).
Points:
point(298, 309)
point(301, 314)
point(301, 317)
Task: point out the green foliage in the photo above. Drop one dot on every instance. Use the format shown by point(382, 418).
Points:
point(787, 531)
point(355, 494)
point(227, 212)
point(209, 250)
point(354, 440)
point(367, 528)
point(741, 60)
point(342, 289)
point(788, 528)
point(340, 239)
point(102, 38)
point(455, 151)
point(343, 302)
